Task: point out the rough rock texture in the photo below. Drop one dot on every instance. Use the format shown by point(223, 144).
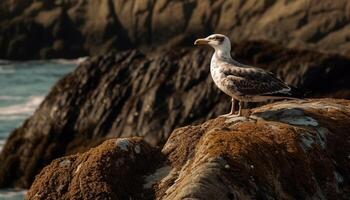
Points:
point(111, 171)
point(131, 93)
point(286, 150)
point(69, 28)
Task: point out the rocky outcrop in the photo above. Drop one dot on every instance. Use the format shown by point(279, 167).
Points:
point(68, 28)
point(286, 150)
point(113, 170)
point(148, 95)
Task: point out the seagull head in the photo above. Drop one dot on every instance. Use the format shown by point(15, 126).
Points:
point(219, 42)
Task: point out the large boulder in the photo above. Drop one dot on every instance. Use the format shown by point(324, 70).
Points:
point(113, 170)
point(286, 150)
point(148, 95)
point(33, 29)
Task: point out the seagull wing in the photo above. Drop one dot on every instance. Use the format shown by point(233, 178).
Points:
point(256, 82)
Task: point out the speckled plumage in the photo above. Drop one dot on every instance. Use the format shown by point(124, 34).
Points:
point(242, 82)
point(246, 83)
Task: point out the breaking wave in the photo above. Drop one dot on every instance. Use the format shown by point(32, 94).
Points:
point(12, 194)
point(20, 110)
point(8, 98)
point(2, 142)
point(7, 70)
point(76, 61)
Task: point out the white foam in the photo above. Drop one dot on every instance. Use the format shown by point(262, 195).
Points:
point(5, 97)
point(7, 70)
point(12, 194)
point(2, 143)
point(7, 66)
point(4, 62)
point(25, 108)
point(13, 117)
point(76, 61)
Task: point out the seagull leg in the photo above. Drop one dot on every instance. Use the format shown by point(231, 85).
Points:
point(232, 112)
point(240, 109)
point(241, 103)
point(233, 105)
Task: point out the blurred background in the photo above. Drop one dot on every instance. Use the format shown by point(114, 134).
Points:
point(71, 29)
point(305, 42)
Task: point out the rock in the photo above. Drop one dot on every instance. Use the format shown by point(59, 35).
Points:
point(59, 45)
point(286, 150)
point(149, 95)
point(95, 27)
point(110, 171)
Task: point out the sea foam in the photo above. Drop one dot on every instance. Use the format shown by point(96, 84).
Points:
point(21, 109)
point(12, 194)
point(7, 70)
point(8, 98)
point(2, 142)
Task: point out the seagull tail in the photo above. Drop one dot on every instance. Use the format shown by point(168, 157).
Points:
point(293, 93)
point(298, 93)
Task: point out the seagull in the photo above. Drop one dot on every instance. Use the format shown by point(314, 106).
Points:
point(243, 82)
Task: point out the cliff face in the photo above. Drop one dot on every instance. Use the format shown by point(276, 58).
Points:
point(285, 150)
point(133, 94)
point(46, 29)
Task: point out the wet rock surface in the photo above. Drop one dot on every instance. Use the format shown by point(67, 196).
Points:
point(285, 150)
point(51, 29)
point(149, 95)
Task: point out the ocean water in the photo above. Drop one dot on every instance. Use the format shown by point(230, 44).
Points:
point(23, 87)
point(12, 194)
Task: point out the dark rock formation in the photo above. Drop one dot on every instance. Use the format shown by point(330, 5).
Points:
point(149, 95)
point(51, 29)
point(69, 28)
point(285, 150)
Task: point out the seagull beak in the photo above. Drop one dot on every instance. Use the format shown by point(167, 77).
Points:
point(201, 41)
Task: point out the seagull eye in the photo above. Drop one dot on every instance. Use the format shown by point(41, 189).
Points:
point(216, 38)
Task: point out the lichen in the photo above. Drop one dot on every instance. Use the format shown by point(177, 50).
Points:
point(300, 120)
point(307, 104)
point(306, 141)
point(235, 119)
point(65, 163)
point(318, 137)
point(122, 144)
point(137, 149)
point(321, 138)
point(293, 116)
